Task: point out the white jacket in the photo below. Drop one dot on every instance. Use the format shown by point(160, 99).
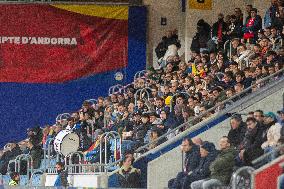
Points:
point(273, 135)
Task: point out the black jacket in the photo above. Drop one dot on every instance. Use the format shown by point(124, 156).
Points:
point(236, 136)
point(129, 179)
point(192, 158)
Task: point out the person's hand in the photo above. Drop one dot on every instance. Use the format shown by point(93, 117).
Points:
point(241, 154)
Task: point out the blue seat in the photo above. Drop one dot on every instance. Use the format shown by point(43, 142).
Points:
point(36, 181)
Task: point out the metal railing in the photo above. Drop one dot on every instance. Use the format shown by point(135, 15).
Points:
point(268, 157)
point(230, 48)
point(69, 158)
point(238, 178)
point(115, 89)
point(139, 74)
point(141, 92)
point(223, 105)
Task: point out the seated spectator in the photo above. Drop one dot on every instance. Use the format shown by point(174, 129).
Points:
point(128, 176)
point(198, 141)
point(237, 132)
point(281, 118)
point(221, 169)
point(192, 157)
point(251, 145)
point(207, 156)
point(15, 179)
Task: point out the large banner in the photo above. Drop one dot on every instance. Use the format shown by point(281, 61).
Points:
point(45, 43)
point(53, 57)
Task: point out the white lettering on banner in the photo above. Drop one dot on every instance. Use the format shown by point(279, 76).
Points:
point(38, 40)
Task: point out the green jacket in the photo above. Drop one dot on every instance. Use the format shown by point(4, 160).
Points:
point(222, 168)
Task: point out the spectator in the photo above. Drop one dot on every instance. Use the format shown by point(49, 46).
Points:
point(207, 156)
point(270, 15)
point(252, 26)
point(192, 157)
point(248, 9)
point(15, 179)
point(61, 179)
point(252, 142)
point(127, 175)
point(221, 169)
point(36, 153)
point(199, 41)
point(237, 132)
point(281, 117)
point(239, 15)
point(234, 28)
point(219, 30)
point(11, 151)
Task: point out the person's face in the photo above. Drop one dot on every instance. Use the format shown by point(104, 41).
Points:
point(273, 32)
point(203, 152)
point(100, 102)
point(223, 143)
point(58, 167)
point(239, 78)
point(154, 92)
point(131, 107)
point(248, 8)
point(128, 162)
point(235, 44)
point(202, 109)
point(144, 120)
point(152, 119)
point(140, 104)
point(238, 88)
point(271, 70)
point(17, 178)
point(258, 71)
point(234, 124)
point(229, 93)
point(238, 12)
point(190, 101)
point(267, 119)
point(212, 57)
point(169, 67)
point(267, 32)
point(256, 49)
point(159, 103)
point(281, 115)
point(251, 125)
point(253, 14)
point(258, 116)
point(154, 134)
point(215, 93)
point(163, 115)
point(226, 78)
point(185, 147)
point(179, 100)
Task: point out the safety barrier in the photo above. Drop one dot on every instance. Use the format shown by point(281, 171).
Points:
point(230, 48)
point(33, 174)
point(140, 74)
point(240, 177)
point(115, 89)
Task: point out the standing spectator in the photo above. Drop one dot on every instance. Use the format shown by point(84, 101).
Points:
point(234, 28)
point(248, 9)
point(127, 175)
point(221, 169)
point(61, 179)
point(36, 153)
point(202, 36)
point(252, 26)
point(15, 179)
point(271, 13)
point(192, 157)
point(219, 30)
point(239, 15)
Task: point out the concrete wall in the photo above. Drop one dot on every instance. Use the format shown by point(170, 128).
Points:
point(170, 9)
point(162, 169)
point(186, 22)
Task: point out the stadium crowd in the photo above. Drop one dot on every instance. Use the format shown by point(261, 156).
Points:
point(179, 91)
